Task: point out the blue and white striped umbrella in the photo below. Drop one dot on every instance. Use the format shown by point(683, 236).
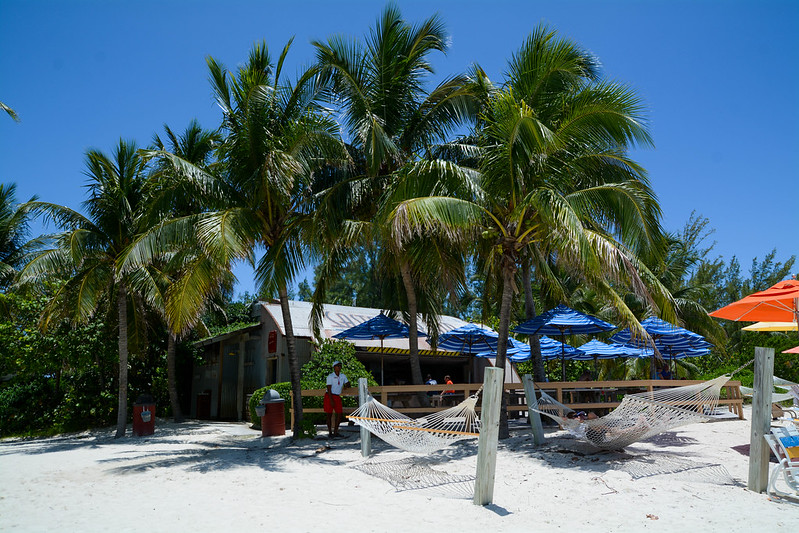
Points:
point(469, 338)
point(379, 327)
point(663, 334)
point(673, 342)
point(596, 349)
point(563, 321)
point(550, 349)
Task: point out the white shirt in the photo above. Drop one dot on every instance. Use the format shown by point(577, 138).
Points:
point(336, 382)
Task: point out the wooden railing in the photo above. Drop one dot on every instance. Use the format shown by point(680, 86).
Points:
point(598, 396)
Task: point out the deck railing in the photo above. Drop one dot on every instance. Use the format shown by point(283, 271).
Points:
point(598, 396)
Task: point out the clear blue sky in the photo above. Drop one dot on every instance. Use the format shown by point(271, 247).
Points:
point(720, 78)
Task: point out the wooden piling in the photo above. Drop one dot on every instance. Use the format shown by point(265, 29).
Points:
point(366, 435)
point(761, 419)
point(532, 403)
point(489, 435)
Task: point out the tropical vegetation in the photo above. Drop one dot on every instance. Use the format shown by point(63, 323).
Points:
point(491, 200)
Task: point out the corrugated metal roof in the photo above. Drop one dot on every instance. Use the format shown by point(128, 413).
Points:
point(337, 318)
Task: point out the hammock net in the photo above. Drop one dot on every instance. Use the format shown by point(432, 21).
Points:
point(776, 397)
point(639, 416)
point(419, 435)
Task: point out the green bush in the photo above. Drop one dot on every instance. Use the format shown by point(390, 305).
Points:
point(284, 389)
point(314, 376)
point(315, 372)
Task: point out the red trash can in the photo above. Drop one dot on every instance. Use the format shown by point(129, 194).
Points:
point(273, 421)
point(144, 416)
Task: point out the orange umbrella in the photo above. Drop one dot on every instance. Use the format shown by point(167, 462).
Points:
point(778, 303)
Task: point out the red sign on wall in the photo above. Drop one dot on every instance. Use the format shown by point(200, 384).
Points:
point(272, 344)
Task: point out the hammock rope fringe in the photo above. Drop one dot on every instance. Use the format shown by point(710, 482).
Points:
point(640, 416)
point(419, 435)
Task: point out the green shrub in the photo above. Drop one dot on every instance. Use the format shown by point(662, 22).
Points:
point(284, 389)
point(314, 376)
point(315, 372)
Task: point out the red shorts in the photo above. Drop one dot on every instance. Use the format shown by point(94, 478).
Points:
point(333, 403)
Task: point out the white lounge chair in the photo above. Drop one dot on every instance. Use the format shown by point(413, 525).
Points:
point(784, 442)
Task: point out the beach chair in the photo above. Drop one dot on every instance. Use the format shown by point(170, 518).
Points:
point(778, 411)
point(784, 443)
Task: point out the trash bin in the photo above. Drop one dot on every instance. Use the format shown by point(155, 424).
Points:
point(273, 419)
point(144, 415)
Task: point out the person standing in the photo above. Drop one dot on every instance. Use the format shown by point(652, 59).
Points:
point(336, 382)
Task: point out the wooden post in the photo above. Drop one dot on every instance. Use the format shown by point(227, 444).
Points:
point(761, 419)
point(532, 403)
point(366, 435)
point(489, 435)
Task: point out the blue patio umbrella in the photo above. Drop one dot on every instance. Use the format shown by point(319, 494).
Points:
point(563, 321)
point(379, 327)
point(672, 341)
point(515, 349)
point(469, 338)
point(519, 351)
point(596, 349)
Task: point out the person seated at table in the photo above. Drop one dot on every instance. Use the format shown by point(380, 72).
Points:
point(585, 376)
point(431, 381)
point(664, 373)
point(446, 396)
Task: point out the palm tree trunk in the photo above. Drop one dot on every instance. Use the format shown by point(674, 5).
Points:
point(172, 384)
point(294, 362)
point(413, 339)
point(508, 272)
point(122, 409)
point(530, 313)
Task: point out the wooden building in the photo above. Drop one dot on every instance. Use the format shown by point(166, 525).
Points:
point(239, 362)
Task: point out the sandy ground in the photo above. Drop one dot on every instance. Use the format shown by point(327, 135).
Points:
point(206, 476)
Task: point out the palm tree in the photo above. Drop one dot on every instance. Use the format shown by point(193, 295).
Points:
point(260, 195)
point(87, 251)
point(393, 126)
point(10, 112)
point(556, 179)
point(14, 229)
point(187, 274)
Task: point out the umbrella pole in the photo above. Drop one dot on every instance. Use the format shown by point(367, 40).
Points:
point(382, 372)
point(563, 357)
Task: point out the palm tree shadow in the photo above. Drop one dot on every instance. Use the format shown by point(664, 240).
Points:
point(227, 454)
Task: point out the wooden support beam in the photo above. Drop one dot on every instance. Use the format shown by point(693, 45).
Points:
point(366, 436)
point(761, 419)
point(532, 403)
point(489, 436)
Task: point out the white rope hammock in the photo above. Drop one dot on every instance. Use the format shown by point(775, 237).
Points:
point(639, 416)
point(421, 435)
point(776, 397)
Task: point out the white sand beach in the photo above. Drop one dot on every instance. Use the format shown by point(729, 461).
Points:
point(212, 476)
